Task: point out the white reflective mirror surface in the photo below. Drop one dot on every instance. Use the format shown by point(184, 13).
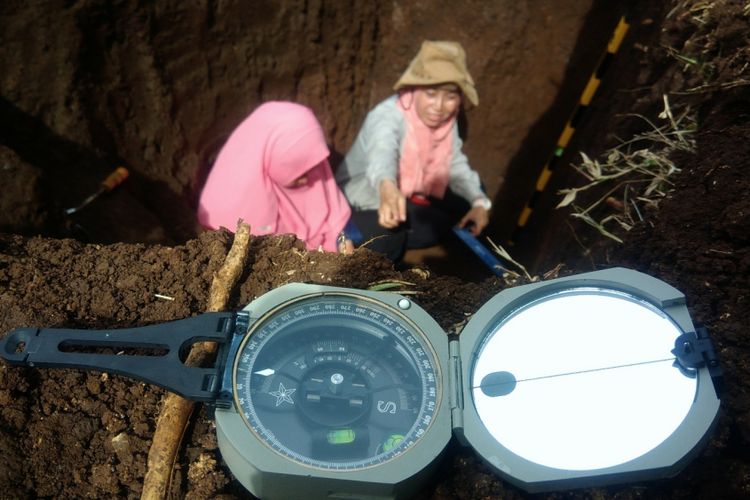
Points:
point(595, 384)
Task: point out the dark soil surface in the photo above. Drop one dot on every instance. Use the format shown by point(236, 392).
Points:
point(71, 434)
point(66, 283)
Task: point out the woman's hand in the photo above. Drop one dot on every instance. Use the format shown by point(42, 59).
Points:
point(392, 210)
point(476, 219)
point(345, 246)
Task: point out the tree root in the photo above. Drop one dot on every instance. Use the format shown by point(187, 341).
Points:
point(175, 413)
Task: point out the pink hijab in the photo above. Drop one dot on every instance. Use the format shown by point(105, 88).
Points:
point(426, 154)
point(276, 144)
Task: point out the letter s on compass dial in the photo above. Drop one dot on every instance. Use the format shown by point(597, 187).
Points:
point(337, 381)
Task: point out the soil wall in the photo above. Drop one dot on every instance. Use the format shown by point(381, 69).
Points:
point(159, 86)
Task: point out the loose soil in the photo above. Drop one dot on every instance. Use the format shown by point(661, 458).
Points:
point(71, 434)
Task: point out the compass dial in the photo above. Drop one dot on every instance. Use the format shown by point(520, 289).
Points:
point(337, 382)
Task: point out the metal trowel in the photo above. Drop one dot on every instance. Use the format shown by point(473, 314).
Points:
point(114, 179)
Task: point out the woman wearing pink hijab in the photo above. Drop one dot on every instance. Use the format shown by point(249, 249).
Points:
point(273, 173)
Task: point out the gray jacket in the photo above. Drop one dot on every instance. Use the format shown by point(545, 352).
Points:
point(374, 156)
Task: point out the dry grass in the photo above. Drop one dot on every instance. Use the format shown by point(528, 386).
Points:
point(390, 285)
point(511, 277)
point(632, 176)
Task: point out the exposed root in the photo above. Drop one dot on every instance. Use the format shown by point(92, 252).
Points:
point(176, 411)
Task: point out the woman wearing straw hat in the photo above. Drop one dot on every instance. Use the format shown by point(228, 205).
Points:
point(405, 176)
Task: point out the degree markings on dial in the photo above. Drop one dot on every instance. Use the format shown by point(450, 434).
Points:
point(385, 347)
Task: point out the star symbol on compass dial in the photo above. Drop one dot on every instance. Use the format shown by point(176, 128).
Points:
point(283, 395)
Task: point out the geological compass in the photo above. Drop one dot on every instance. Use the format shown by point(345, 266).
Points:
point(326, 392)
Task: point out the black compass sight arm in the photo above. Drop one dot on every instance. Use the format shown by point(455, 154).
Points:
point(153, 354)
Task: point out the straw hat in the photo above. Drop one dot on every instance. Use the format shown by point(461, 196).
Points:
point(439, 62)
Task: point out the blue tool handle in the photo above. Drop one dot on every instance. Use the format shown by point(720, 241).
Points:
point(487, 257)
point(159, 352)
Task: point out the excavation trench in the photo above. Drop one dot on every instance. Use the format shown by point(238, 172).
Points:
point(158, 90)
point(87, 87)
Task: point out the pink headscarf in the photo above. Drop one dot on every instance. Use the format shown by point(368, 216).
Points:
point(426, 154)
point(275, 145)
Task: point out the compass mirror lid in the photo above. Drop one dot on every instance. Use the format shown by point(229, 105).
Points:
point(573, 382)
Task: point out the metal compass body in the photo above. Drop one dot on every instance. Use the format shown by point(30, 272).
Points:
point(336, 382)
point(335, 391)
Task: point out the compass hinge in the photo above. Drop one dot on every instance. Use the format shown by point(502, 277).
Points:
point(455, 388)
point(694, 351)
point(241, 325)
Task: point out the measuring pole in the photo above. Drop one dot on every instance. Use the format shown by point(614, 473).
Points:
point(570, 126)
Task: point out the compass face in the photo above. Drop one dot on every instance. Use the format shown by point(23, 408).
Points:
point(337, 382)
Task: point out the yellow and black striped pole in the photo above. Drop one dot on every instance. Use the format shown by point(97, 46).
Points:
point(570, 126)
